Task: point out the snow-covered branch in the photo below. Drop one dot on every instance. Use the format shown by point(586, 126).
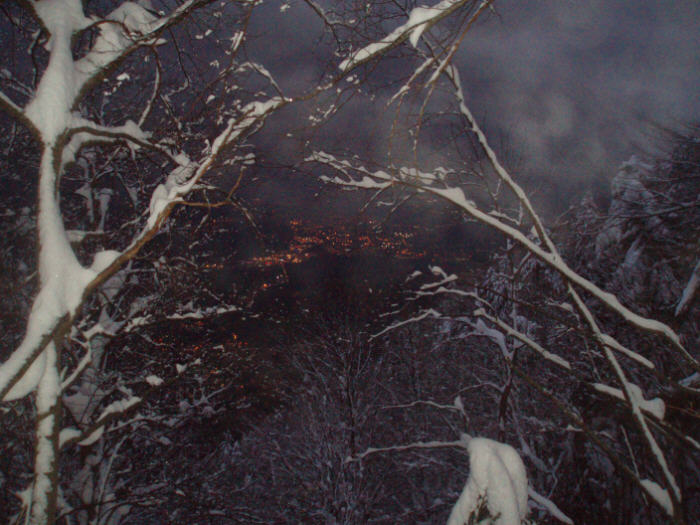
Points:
point(427, 314)
point(127, 28)
point(549, 505)
point(455, 195)
point(420, 19)
point(689, 292)
point(630, 394)
point(179, 183)
point(15, 111)
point(110, 413)
point(462, 443)
point(509, 330)
point(189, 312)
point(652, 489)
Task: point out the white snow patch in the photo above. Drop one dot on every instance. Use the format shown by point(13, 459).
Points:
point(690, 291)
point(418, 21)
point(154, 380)
point(119, 406)
point(659, 494)
point(174, 186)
point(495, 335)
point(691, 381)
point(498, 474)
point(78, 403)
point(455, 195)
point(93, 437)
point(67, 434)
point(103, 260)
point(655, 406)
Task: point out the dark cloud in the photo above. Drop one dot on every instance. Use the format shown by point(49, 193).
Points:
point(576, 84)
point(566, 89)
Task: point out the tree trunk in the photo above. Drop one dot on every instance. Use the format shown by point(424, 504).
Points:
point(44, 488)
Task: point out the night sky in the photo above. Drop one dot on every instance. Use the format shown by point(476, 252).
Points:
point(576, 84)
point(568, 89)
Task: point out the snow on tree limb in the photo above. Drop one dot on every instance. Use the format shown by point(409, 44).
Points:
point(455, 195)
point(182, 179)
point(417, 445)
point(112, 413)
point(549, 505)
point(658, 494)
point(497, 474)
point(128, 27)
point(655, 407)
point(15, 111)
point(18, 375)
point(79, 368)
point(634, 403)
point(129, 131)
point(538, 244)
point(509, 330)
point(430, 313)
point(552, 258)
point(595, 438)
point(419, 20)
point(689, 292)
point(457, 406)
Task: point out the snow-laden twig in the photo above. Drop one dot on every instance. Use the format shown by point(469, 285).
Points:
point(430, 313)
point(420, 19)
point(417, 445)
point(509, 330)
point(580, 425)
point(380, 179)
point(129, 131)
point(49, 318)
point(634, 403)
point(690, 291)
point(128, 27)
point(456, 407)
point(655, 407)
point(14, 110)
point(405, 88)
point(549, 506)
point(553, 258)
point(154, 96)
point(79, 368)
